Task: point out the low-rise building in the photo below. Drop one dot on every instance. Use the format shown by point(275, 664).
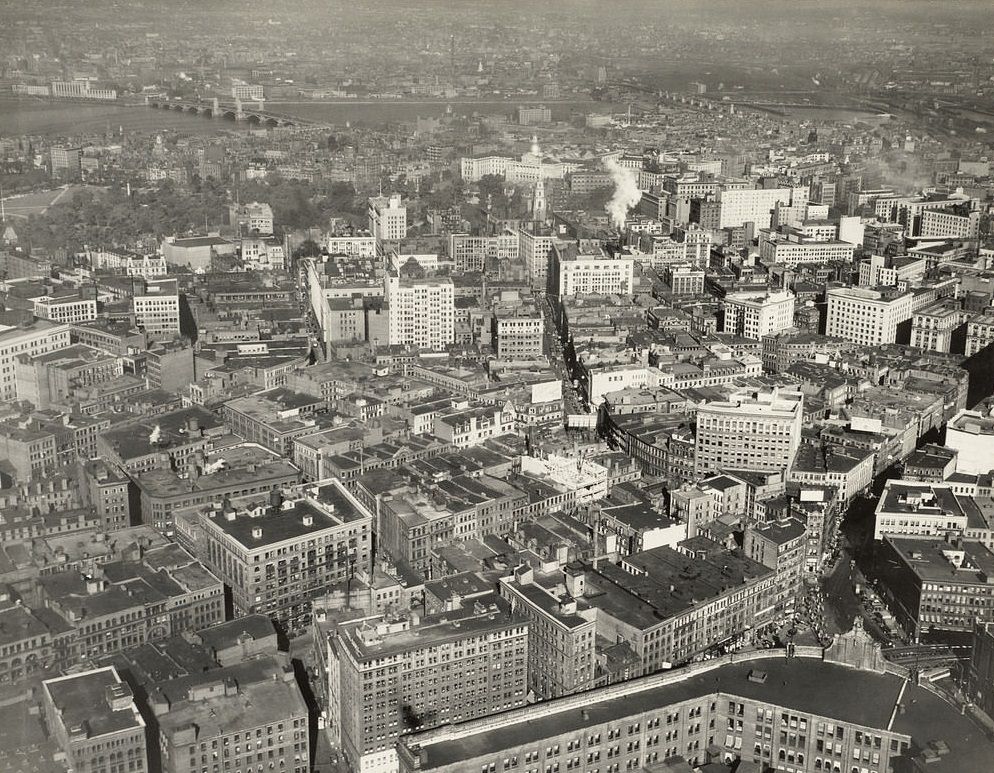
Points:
point(971, 434)
point(242, 715)
point(95, 720)
point(937, 584)
point(908, 509)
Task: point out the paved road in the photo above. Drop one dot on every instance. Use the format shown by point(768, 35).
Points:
point(327, 758)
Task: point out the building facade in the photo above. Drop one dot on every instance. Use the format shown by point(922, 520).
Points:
point(752, 430)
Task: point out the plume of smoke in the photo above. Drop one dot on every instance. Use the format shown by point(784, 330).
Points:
point(626, 192)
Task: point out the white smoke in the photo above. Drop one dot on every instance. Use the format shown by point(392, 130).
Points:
point(626, 192)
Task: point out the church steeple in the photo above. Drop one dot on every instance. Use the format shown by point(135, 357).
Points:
point(538, 201)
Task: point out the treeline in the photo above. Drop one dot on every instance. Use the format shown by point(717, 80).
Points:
point(111, 218)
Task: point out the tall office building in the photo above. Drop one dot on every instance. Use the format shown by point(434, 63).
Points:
point(528, 115)
point(392, 675)
point(470, 253)
point(518, 333)
point(754, 205)
point(157, 310)
point(751, 430)
point(31, 340)
point(247, 91)
point(535, 250)
point(387, 218)
point(869, 317)
point(754, 315)
point(67, 163)
point(595, 273)
point(422, 311)
point(253, 217)
point(561, 629)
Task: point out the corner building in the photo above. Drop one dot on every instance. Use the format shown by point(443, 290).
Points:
point(751, 430)
point(842, 711)
point(277, 555)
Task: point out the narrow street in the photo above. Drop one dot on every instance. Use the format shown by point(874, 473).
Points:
point(842, 605)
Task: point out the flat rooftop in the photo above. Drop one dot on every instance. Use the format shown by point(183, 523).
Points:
point(811, 686)
point(973, 423)
point(476, 617)
point(332, 510)
point(639, 516)
point(969, 562)
point(162, 432)
point(81, 698)
point(246, 695)
point(645, 599)
point(165, 483)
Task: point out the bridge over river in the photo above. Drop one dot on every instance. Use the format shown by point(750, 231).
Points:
point(250, 112)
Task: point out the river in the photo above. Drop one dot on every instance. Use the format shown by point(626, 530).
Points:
point(55, 119)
